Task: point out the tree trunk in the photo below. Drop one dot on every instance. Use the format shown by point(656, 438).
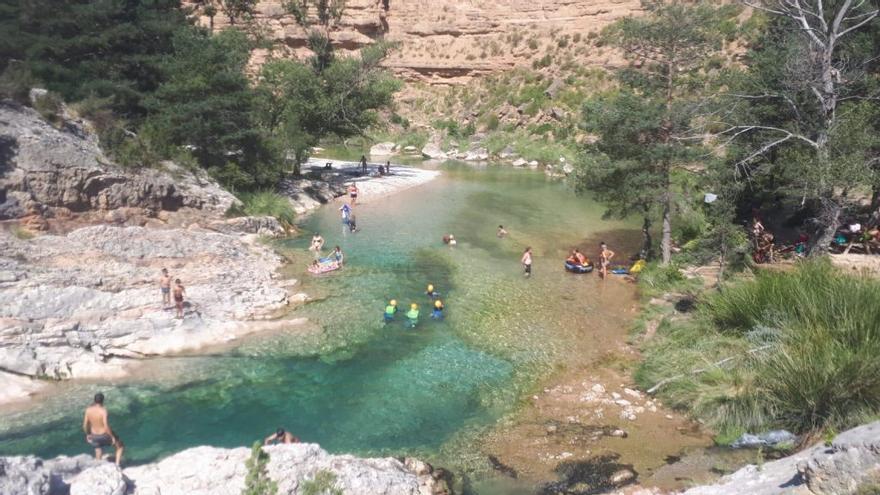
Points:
point(829, 222)
point(666, 241)
point(647, 243)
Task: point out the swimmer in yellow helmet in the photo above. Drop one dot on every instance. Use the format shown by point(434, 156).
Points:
point(431, 293)
point(390, 311)
point(413, 315)
point(437, 313)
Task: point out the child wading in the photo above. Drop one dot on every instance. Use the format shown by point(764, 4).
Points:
point(527, 262)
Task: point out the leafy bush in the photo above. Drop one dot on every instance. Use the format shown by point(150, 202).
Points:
point(22, 233)
point(49, 105)
point(268, 203)
point(324, 483)
point(16, 82)
point(257, 481)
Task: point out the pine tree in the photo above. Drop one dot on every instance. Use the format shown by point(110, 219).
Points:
point(257, 481)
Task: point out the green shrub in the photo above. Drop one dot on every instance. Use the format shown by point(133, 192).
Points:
point(267, 203)
point(49, 106)
point(533, 44)
point(324, 483)
point(257, 481)
point(492, 122)
point(798, 350)
point(16, 82)
point(542, 62)
point(22, 233)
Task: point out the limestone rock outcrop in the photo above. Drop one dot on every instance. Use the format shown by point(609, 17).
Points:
point(47, 171)
point(216, 471)
point(80, 304)
point(837, 469)
point(446, 41)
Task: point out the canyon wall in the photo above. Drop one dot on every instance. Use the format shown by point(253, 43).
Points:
point(449, 41)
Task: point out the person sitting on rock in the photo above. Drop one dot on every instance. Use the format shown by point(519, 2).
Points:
point(280, 436)
point(97, 429)
point(179, 292)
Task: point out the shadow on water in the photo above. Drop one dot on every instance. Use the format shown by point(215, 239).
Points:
point(592, 476)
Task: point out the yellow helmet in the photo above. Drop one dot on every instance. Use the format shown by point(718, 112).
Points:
point(414, 306)
point(393, 302)
point(430, 288)
point(438, 304)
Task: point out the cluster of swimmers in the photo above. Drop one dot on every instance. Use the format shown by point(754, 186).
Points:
point(412, 316)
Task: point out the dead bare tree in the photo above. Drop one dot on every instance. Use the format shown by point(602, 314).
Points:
point(821, 77)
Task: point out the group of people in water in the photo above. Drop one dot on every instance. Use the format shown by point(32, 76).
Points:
point(412, 316)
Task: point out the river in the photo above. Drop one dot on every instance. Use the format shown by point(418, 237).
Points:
point(351, 382)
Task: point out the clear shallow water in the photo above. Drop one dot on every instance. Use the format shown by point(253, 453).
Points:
point(358, 385)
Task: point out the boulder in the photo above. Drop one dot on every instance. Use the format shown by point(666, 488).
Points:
point(383, 149)
point(25, 475)
point(557, 113)
point(769, 439)
point(554, 88)
point(433, 151)
point(520, 162)
point(477, 155)
point(410, 149)
point(65, 169)
point(106, 479)
point(264, 226)
point(507, 152)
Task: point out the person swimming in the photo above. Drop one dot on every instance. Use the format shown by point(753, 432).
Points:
point(413, 315)
point(437, 313)
point(431, 293)
point(280, 436)
point(502, 232)
point(390, 311)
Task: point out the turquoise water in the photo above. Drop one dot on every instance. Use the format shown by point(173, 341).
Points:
point(352, 383)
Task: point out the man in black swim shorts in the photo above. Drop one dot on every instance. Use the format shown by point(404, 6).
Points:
point(98, 431)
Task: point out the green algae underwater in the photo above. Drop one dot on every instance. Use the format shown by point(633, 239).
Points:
point(349, 381)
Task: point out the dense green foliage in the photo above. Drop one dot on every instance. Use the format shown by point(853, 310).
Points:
point(643, 126)
point(268, 203)
point(158, 87)
point(798, 350)
point(257, 481)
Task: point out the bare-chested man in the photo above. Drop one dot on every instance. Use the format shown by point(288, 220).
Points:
point(605, 256)
point(179, 292)
point(280, 436)
point(98, 431)
point(165, 288)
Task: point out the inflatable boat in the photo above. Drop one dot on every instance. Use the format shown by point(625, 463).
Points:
point(577, 268)
point(324, 265)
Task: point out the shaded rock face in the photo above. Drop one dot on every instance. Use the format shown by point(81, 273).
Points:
point(444, 41)
point(852, 458)
point(215, 471)
point(44, 170)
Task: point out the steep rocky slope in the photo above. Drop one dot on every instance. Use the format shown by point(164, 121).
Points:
point(449, 41)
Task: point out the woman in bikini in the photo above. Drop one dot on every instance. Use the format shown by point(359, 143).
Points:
point(605, 256)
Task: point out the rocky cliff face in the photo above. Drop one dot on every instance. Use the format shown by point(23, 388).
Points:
point(450, 41)
point(56, 173)
point(214, 471)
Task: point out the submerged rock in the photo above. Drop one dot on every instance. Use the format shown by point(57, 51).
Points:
point(769, 439)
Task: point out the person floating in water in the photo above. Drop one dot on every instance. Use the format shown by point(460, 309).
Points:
point(605, 256)
point(338, 256)
point(390, 311)
point(437, 313)
point(317, 244)
point(179, 292)
point(165, 288)
point(413, 315)
point(449, 239)
point(581, 259)
point(280, 436)
point(431, 293)
point(352, 223)
point(526, 261)
point(97, 429)
point(502, 233)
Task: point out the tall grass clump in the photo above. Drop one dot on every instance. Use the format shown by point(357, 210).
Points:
point(269, 203)
point(797, 350)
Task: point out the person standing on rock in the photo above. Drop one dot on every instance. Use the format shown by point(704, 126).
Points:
point(97, 429)
point(179, 292)
point(165, 288)
point(388, 168)
point(364, 164)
